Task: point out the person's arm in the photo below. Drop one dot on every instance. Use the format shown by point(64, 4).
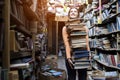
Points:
point(66, 42)
point(87, 39)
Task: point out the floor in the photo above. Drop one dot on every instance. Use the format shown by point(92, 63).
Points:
point(61, 65)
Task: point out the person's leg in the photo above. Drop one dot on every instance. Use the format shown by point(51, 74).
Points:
point(71, 73)
point(82, 74)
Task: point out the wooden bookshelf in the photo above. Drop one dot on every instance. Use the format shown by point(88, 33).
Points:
point(16, 17)
point(108, 66)
point(111, 45)
point(19, 55)
point(107, 50)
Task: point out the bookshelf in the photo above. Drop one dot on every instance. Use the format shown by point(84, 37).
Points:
point(16, 38)
point(104, 33)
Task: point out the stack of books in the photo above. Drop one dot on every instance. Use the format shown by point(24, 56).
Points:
point(81, 60)
point(79, 45)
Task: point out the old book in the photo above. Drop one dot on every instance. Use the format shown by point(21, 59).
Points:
point(14, 45)
point(84, 66)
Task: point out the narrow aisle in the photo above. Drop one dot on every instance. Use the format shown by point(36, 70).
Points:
point(61, 65)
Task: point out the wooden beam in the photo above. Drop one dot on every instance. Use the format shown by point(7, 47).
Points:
point(6, 53)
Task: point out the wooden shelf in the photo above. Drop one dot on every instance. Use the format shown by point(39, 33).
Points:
point(88, 11)
point(15, 20)
point(18, 55)
point(29, 13)
point(95, 67)
point(105, 65)
point(108, 50)
point(108, 20)
point(104, 35)
point(23, 30)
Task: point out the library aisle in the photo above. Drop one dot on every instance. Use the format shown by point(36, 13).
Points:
point(32, 45)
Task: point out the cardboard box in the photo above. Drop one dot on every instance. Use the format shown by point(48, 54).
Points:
point(13, 75)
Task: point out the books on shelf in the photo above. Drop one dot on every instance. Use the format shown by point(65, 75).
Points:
point(105, 75)
point(108, 59)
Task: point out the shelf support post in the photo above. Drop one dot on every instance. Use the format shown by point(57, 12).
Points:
point(6, 52)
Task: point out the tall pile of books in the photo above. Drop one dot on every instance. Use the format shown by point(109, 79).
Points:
point(79, 46)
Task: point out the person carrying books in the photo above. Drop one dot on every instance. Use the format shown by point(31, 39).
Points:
point(70, 48)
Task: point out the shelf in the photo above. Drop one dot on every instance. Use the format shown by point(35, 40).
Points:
point(22, 30)
point(95, 67)
point(19, 26)
point(19, 66)
point(107, 35)
point(30, 14)
point(95, 25)
point(112, 49)
point(15, 20)
point(110, 19)
point(106, 50)
point(92, 37)
point(109, 66)
point(104, 35)
point(18, 55)
point(88, 11)
point(113, 2)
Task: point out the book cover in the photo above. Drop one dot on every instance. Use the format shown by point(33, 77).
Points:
point(113, 60)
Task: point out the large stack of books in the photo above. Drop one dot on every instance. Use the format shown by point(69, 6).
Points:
point(79, 44)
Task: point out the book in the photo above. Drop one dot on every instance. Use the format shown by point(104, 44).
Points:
point(113, 60)
point(118, 22)
point(78, 33)
point(84, 66)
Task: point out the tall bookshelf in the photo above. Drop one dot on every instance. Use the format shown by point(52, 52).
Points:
point(18, 20)
point(104, 33)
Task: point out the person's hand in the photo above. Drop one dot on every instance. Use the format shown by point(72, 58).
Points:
point(70, 62)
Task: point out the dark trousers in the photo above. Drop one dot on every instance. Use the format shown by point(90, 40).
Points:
point(82, 73)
